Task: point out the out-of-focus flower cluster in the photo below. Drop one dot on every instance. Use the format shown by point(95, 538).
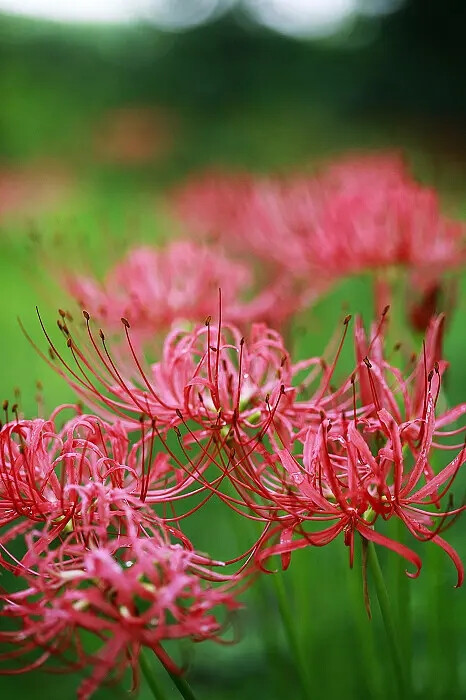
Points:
point(363, 213)
point(93, 506)
point(30, 189)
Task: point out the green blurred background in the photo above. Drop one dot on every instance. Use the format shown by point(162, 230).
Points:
point(98, 122)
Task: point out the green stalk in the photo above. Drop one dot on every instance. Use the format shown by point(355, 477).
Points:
point(403, 595)
point(183, 686)
point(150, 676)
point(366, 642)
point(148, 673)
point(290, 627)
point(387, 616)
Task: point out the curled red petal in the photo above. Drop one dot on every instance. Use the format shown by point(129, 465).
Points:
point(397, 547)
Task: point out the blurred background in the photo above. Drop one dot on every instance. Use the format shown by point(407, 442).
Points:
point(107, 104)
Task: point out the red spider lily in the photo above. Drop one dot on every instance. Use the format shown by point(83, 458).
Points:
point(154, 288)
point(361, 213)
point(210, 376)
point(129, 588)
point(58, 475)
point(383, 385)
point(338, 477)
point(353, 472)
point(79, 475)
point(211, 204)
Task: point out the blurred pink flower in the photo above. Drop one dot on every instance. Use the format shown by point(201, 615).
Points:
point(154, 288)
point(359, 213)
point(32, 188)
point(134, 135)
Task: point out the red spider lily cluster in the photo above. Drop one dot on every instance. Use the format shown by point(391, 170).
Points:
point(357, 214)
point(91, 554)
point(93, 507)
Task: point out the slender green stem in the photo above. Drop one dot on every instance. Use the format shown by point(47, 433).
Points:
point(183, 686)
point(151, 679)
point(366, 644)
point(150, 676)
point(403, 597)
point(387, 616)
point(290, 627)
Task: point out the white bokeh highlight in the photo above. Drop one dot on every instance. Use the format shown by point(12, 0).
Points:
point(299, 17)
point(304, 17)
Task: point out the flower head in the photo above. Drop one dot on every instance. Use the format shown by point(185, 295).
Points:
point(128, 588)
point(359, 213)
point(344, 477)
point(55, 479)
point(155, 288)
point(226, 385)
